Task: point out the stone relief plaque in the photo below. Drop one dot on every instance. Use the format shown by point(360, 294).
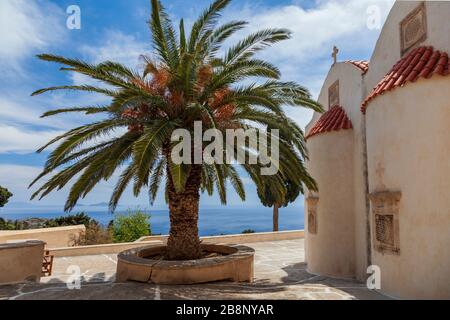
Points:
point(413, 28)
point(384, 226)
point(385, 231)
point(312, 214)
point(333, 95)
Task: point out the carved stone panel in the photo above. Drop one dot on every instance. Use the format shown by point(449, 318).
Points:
point(385, 210)
point(413, 28)
point(312, 214)
point(333, 95)
point(384, 227)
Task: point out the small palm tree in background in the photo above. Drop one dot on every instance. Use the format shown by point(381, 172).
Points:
point(270, 199)
point(186, 80)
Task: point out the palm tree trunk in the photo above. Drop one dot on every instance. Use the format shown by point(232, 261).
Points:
point(275, 217)
point(184, 242)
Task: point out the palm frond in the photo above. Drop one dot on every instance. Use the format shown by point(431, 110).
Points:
point(236, 182)
point(121, 185)
point(81, 136)
point(86, 88)
point(221, 34)
point(178, 174)
point(146, 149)
point(220, 182)
point(255, 42)
point(183, 41)
point(206, 21)
point(155, 179)
point(163, 35)
point(86, 110)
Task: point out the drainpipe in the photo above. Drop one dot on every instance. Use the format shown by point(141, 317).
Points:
point(366, 192)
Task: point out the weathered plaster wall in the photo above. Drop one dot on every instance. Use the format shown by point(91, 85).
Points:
point(332, 250)
point(408, 137)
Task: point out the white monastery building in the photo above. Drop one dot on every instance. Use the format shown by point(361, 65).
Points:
point(381, 157)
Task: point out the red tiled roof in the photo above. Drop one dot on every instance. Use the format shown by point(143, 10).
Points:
point(362, 65)
point(334, 119)
point(422, 62)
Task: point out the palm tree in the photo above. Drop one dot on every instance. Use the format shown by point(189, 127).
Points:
point(268, 199)
point(186, 80)
point(274, 199)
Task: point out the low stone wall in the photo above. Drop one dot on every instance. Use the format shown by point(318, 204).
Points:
point(21, 261)
point(100, 248)
point(241, 238)
point(160, 240)
point(53, 237)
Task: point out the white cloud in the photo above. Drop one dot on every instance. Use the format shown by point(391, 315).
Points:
point(306, 57)
point(118, 47)
point(18, 109)
point(115, 46)
point(17, 178)
point(26, 26)
point(315, 29)
point(19, 140)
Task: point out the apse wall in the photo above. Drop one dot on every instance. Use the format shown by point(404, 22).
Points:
point(408, 140)
point(351, 92)
point(330, 248)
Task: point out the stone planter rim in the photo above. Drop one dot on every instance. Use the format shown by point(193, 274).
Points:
point(131, 256)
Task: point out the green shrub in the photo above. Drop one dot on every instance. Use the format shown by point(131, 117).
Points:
point(248, 231)
point(95, 234)
point(70, 220)
point(6, 224)
point(131, 226)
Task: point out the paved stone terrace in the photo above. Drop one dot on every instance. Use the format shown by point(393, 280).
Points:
point(280, 273)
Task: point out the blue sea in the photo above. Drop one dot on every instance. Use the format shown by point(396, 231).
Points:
point(218, 221)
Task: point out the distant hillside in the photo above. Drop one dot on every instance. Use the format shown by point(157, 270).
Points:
point(100, 204)
point(21, 205)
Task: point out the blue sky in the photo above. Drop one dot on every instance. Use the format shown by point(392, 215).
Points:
point(117, 30)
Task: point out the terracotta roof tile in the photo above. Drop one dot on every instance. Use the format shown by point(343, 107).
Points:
point(422, 62)
point(334, 119)
point(362, 65)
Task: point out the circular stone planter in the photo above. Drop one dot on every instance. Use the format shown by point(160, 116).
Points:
point(235, 264)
